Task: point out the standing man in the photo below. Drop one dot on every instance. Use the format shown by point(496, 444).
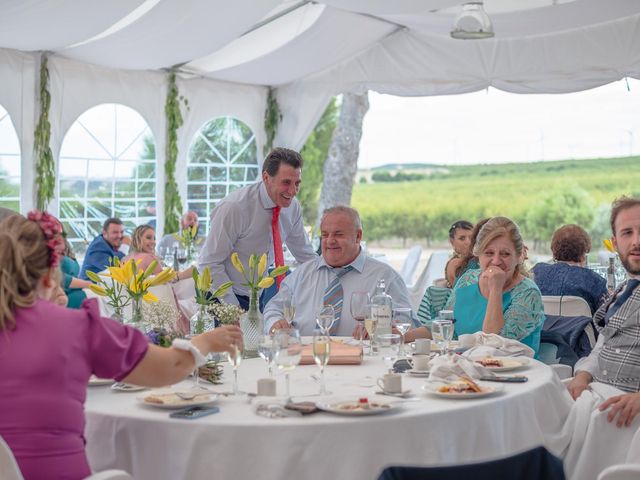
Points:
point(615, 360)
point(104, 247)
point(249, 219)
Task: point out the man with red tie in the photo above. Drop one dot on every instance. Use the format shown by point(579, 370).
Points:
point(258, 219)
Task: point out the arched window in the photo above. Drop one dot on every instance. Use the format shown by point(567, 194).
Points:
point(222, 157)
point(9, 163)
point(107, 169)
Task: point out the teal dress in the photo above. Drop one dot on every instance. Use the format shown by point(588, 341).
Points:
point(521, 306)
point(70, 269)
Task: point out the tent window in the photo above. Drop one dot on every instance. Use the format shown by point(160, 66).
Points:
point(222, 157)
point(107, 168)
point(9, 163)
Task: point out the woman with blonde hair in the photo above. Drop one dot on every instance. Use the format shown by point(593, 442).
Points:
point(143, 247)
point(49, 352)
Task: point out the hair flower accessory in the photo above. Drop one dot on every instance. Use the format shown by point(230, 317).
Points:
point(52, 231)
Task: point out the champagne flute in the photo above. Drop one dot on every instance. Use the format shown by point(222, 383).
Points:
point(326, 317)
point(358, 307)
point(371, 326)
point(321, 353)
point(288, 351)
point(266, 351)
point(402, 321)
point(235, 357)
point(288, 308)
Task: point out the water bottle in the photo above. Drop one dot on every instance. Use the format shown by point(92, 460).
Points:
point(381, 308)
point(611, 275)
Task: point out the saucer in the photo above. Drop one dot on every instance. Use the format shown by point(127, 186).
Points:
point(418, 373)
point(403, 394)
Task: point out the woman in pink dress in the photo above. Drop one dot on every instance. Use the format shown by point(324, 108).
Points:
point(143, 247)
point(48, 353)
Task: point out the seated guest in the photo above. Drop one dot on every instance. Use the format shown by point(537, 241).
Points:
point(615, 360)
point(143, 247)
point(498, 297)
point(460, 240)
point(342, 261)
point(568, 275)
point(71, 284)
point(46, 365)
point(104, 248)
point(170, 241)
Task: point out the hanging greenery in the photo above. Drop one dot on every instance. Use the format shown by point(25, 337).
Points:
point(272, 118)
point(45, 170)
point(172, 201)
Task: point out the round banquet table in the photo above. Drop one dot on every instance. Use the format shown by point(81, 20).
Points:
point(121, 432)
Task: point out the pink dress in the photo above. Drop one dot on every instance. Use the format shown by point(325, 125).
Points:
point(145, 261)
point(45, 364)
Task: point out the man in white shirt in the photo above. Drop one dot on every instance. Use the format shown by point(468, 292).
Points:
point(342, 259)
point(615, 360)
point(170, 241)
point(245, 222)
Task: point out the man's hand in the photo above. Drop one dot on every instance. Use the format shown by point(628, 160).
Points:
point(280, 324)
point(626, 407)
point(579, 384)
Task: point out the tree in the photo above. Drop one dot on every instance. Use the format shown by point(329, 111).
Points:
point(342, 163)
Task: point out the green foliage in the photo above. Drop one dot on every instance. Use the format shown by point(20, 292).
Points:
point(272, 118)
point(45, 171)
point(172, 201)
point(315, 153)
point(400, 176)
point(425, 209)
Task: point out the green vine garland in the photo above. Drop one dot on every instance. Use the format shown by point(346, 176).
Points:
point(172, 201)
point(272, 118)
point(45, 177)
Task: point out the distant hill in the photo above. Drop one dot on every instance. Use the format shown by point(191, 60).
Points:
point(407, 166)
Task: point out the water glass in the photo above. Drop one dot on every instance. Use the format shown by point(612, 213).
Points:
point(358, 307)
point(402, 317)
point(321, 354)
point(326, 318)
point(235, 357)
point(288, 351)
point(389, 345)
point(266, 350)
point(442, 331)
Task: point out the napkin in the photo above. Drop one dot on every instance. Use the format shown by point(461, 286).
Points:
point(449, 368)
point(341, 354)
point(492, 345)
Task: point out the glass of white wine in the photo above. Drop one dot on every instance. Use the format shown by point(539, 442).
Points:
point(288, 309)
point(288, 351)
point(358, 307)
point(326, 318)
point(371, 326)
point(235, 357)
point(321, 354)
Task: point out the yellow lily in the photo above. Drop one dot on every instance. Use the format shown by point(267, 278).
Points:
point(94, 277)
point(222, 289)
point(149, 297)
point(265, 282)
point(163, 277)
point(118, 274)
point(204, 280)
point(97, 289)
point(194, 230)
point(276, 272)
point(262, 264)
point(236, 262)
point(152, 266)
point(252, 260)
point(608, 245)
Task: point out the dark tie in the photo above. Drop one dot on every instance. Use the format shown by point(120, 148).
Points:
point(334, 294)
point(622, 297)
point(277, 242)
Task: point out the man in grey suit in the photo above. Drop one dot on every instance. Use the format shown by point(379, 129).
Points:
point(615, 359)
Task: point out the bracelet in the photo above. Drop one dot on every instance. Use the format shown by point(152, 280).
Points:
point(187, 346)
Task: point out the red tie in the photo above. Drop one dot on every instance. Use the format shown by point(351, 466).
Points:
point(277, 242)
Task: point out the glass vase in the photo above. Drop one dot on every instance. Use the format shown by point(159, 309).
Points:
point(252, 326)
point(118, 314)
point(202, 321)
point(136, 318)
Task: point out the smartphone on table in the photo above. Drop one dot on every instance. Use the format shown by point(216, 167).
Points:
point(194, 412)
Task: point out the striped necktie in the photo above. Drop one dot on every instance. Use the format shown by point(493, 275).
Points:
point(622, 297)
point(334, 294)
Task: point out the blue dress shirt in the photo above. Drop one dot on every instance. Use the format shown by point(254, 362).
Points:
point(99, 256)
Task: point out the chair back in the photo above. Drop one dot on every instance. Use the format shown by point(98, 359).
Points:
point(566, 306)
point(411, 264)
point(433, 270)
point(9, 469)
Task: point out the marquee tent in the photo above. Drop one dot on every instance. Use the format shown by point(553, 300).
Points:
point(229, 52)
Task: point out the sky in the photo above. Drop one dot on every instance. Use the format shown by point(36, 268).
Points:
point(492, 126)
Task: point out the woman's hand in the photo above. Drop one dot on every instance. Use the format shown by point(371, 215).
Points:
point(494, 278)
point(221, 339)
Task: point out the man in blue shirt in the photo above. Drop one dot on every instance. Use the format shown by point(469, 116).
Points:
point(104, 247)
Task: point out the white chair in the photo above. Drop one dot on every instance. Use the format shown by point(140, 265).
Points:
point(9, 469)
point(433, 270)
point(565, 305)
point(624, 471)
point(410, 264)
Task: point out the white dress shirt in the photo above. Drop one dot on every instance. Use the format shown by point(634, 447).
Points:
point(241, 223)
point(307, 285)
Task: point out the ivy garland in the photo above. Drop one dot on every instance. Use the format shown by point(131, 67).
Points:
point(45, 170)
point(272, 118)
point(172, 201)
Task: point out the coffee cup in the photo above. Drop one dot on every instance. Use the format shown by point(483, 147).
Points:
point(422, 346)
point(267, 387)
point(467, 340)
point(390, 383)
point(420, 362)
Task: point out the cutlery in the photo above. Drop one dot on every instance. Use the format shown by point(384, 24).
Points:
point(190, 396)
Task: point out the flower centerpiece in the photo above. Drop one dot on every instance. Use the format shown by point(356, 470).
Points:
point(256, 278)
point(161, 317)
point(188, 239)
point(203, 320)
point(112, 289)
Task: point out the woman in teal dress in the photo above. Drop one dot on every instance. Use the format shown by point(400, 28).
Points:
point(71, 284)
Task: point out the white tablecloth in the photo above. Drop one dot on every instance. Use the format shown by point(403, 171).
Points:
point(238, 444)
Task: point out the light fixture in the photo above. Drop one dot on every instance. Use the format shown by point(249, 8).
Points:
point(472, 23)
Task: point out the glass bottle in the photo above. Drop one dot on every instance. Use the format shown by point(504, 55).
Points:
point(611, 275)
point(381, 308)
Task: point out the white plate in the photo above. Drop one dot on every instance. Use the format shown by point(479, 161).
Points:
point(376, 407)
point(172, 401)
point(487, 390)
point(508, 364)
point(95, 381)
point(418, 373)
point(126, 387)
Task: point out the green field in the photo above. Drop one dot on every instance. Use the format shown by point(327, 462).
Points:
point(540, 196)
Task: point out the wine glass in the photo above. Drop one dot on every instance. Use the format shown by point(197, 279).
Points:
point(326, 318)
point(182, 255)
point(442, 331)
point(402, 321)
point(266, 350)
point(321, 353)
point(288, 308)
point(235, 357)
point(288, 351)
point(371, 326)
point(358, 306)
point(389, 344)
